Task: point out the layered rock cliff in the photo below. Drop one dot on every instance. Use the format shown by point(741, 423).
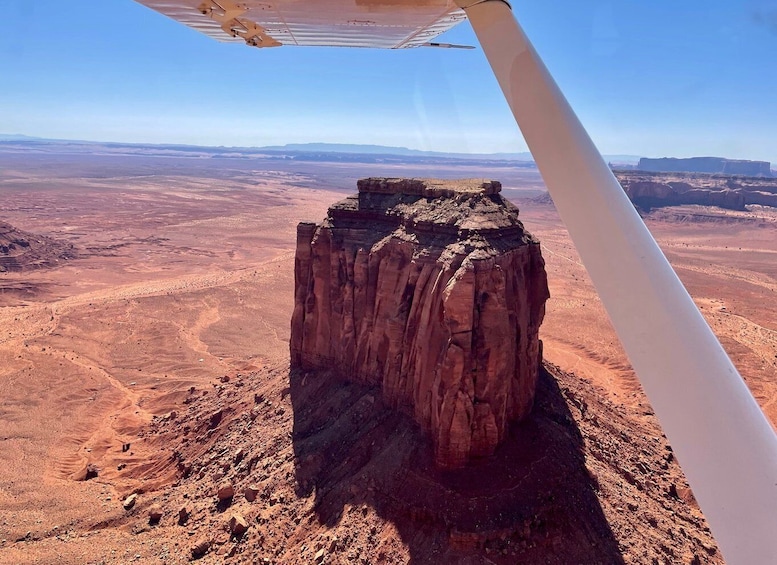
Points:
point(648, 194)
point(655, 190)
point(433, 291)
point(707, 165)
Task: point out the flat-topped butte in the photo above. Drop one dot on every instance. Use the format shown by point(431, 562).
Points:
point(430, 188)
point(458, 208)
point(433, 291)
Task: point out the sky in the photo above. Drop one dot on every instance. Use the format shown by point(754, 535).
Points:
point(649, 78)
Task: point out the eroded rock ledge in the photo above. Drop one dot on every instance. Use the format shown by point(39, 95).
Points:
point(655, 190)
point(434, 291)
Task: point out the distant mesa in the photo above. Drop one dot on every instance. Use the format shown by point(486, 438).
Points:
point(650, 190)
point(706, 165)
point(433, 291)
point(20, 250)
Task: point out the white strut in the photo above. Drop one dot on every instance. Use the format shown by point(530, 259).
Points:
point(722, 440)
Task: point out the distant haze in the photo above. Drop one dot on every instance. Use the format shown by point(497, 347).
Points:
point(659, 78)
point(309, 151)
point(295, 148)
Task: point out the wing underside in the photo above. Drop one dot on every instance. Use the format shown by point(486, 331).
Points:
point(389, 24)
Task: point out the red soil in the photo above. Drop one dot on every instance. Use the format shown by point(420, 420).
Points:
point(118, 359)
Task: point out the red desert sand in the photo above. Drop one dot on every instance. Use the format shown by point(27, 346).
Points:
point(149, 415)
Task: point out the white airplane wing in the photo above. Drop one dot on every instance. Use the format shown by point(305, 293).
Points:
point(390, 24)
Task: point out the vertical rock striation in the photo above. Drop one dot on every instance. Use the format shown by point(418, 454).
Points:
point(434, 291)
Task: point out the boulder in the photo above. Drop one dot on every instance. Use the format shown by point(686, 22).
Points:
point(238, 525)
point(183, 514)
point(155, 513)
point(251, 492)
point(200, 548)
point(130, 501)
point(225, 492)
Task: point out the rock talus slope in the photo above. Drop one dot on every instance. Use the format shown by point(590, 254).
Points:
point(434, 291)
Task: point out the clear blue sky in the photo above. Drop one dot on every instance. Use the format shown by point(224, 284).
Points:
point(650, 78)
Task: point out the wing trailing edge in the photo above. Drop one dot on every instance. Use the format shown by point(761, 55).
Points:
point(388, 24)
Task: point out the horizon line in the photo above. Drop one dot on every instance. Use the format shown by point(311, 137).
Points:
point(19, 137)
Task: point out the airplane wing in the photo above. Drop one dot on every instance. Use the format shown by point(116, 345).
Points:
point(390, 24)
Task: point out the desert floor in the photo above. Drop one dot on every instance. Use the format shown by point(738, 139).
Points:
point(178, 307)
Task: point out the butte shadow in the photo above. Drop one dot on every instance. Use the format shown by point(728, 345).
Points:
point(532, 501)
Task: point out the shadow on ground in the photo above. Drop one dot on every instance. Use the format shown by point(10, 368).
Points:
point(532, 502)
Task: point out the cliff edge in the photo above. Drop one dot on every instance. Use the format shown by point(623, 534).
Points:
point(706, 165)
point(433, 291)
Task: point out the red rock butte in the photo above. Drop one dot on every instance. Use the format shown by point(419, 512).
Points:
point(433, 291)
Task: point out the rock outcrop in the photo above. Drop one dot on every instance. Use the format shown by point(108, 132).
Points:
point(20, 250)
point(648, 194)
point(434, 291)
point(707, 165)
point(655, 190)
point(761, 198)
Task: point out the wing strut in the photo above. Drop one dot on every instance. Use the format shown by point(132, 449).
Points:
point(723, 441)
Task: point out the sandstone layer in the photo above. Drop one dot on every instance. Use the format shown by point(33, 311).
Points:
point(655, 190)
point(433, 291)
point(649, 195)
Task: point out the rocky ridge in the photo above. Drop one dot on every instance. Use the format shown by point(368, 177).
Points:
point(647, 194)
point(21, 250)
point(655, 190)
point(707, 165)
point(434, 291)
